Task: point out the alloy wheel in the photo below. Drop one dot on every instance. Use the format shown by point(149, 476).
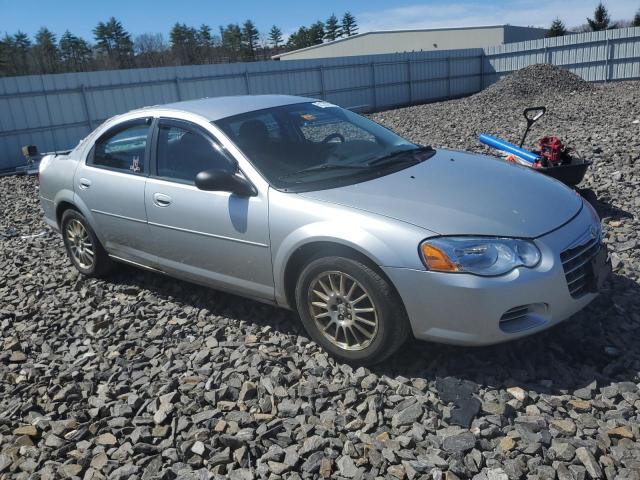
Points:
point(343, 310)
point(80, 244)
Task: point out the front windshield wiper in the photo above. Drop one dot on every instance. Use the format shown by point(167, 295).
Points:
point(397, 156)
point(324, 166)
point(391, 158)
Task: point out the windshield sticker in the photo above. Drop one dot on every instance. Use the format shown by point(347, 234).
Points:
point(323, 104)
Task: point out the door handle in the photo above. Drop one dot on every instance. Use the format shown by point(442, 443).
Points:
point(84, 183)
point(161, 200)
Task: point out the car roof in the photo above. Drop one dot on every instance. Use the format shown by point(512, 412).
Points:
point(216, 108)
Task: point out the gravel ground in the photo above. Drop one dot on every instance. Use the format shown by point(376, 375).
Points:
point(145, 377)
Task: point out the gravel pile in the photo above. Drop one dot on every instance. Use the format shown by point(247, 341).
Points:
point(144, 377)
point(533, 81)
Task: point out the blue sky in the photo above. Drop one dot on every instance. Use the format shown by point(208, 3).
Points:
point(141, 16)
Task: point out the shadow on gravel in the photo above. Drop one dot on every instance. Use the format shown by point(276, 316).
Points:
point(132, 280)
point(601, 343)
point(607, 210)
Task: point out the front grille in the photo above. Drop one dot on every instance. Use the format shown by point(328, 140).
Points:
point(577, 270)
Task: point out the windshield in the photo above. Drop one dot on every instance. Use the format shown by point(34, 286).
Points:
point(318, 145)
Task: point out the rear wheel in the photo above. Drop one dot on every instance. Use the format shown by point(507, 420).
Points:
point(351, 310)
point(83, 247)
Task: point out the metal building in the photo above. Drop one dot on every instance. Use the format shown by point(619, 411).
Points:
point(401, 41)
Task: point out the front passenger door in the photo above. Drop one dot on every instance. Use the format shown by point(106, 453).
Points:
point(216, 238)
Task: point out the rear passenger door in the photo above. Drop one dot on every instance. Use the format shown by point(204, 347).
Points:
point(217, 238)
point(111, 185)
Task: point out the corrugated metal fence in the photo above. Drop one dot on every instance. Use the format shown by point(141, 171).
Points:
point(595, 56)
point(55, 111)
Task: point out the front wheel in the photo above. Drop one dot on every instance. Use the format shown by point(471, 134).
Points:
point(350, 310)
point(83, 247)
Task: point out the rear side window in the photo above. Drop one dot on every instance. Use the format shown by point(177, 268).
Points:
point(318, 127)
point(123, 149)
point(239, 128)
point(183, 152)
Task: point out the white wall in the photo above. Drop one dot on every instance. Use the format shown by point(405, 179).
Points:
point(416, 40)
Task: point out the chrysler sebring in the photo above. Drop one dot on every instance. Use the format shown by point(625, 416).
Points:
point(302, 204)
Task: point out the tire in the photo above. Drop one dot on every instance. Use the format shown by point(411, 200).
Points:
point(357, 330)
point(83, 247)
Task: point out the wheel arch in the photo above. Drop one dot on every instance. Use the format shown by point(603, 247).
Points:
point(65, 202)
point(312, 250)
point(61, 207)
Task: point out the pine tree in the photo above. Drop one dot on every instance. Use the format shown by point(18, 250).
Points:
point(601, 19)
point(45, 51)
point(4, 58)
point(636, 19)
point(75, 52)
point(298, 39)
point(184, 43)
point(114, 43)
point(232, 40)
point(250, 36)
point(316, 33)
point(275, 37)
point(557, 29)
point(204, 43)
point(204, 37)
point(19, 47)
point(332, 29)
point(349, 25)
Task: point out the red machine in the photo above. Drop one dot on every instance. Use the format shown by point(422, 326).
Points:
point(553, 152)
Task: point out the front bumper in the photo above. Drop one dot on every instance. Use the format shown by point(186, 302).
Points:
point(466, 309)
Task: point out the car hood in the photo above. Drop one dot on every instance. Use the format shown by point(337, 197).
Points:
point(458, 193)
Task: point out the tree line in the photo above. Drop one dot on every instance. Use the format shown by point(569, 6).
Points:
point(601, 21)
point(114, 47)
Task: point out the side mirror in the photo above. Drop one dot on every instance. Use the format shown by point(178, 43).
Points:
point(216, 180)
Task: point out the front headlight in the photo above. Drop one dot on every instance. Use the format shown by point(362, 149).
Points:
point(478, 255)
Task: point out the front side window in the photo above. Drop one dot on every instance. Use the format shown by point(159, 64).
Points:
point(184, 152)
point(123, 149)
point(315, 145)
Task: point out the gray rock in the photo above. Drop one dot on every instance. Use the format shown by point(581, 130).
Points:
point(124, 472)
point(346, 467)
point(588, 460)
point(407, 416)
point(459, 443)
point(562, 450)
point(203, 416)
point(496, 474)
point(278, 468)
point(198, 448)
point(312, 463)
point(220, 457)
point(312, 444)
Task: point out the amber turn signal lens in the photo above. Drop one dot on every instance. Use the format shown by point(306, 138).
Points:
point(436, 259)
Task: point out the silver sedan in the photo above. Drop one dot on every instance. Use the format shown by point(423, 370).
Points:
point(302, 204)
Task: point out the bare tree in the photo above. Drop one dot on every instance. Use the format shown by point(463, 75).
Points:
point(150, 50)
